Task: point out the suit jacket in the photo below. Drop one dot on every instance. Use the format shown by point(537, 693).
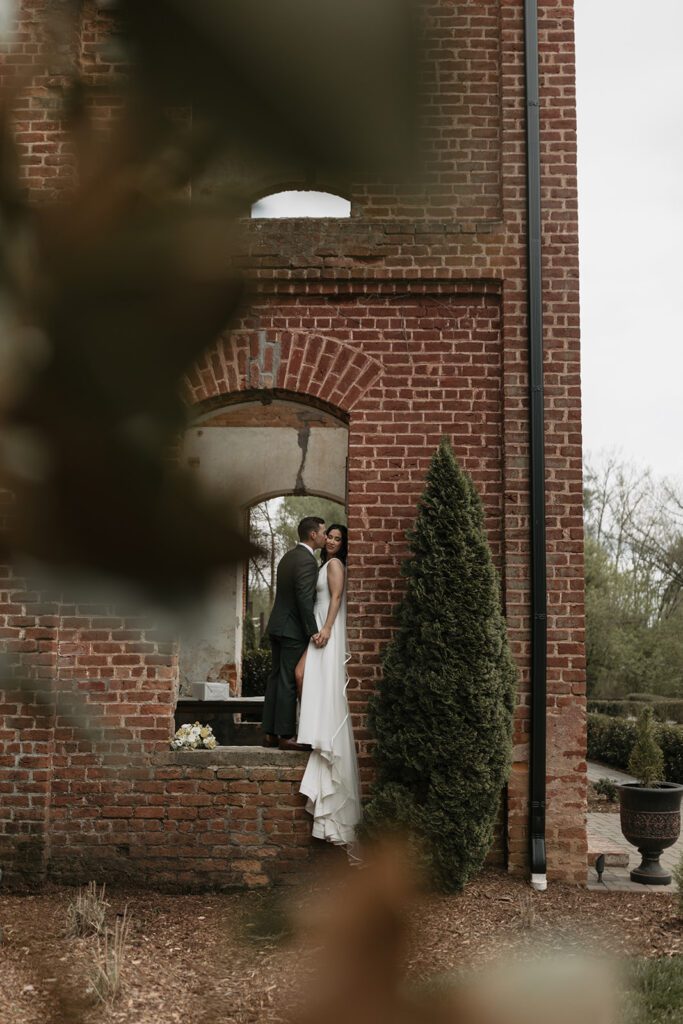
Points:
point(292, 614)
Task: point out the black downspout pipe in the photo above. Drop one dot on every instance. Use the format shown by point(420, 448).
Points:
point(539, 598)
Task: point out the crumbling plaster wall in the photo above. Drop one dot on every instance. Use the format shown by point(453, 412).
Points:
point(250, 452)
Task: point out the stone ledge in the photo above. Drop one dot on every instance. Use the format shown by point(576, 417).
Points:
point(615, 855)
point(240, 757)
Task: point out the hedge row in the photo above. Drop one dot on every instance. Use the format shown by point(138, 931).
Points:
point(256, 667)
point(664, 709)
point(611, 740)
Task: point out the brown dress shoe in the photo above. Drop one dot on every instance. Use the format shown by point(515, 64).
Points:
point(269, 740)
point(291, 744)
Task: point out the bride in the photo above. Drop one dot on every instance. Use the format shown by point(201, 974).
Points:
point(330, 782)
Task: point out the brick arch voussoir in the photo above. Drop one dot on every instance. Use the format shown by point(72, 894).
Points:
point(306, 364)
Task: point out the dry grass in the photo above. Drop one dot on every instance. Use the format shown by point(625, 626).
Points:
point(527, 911)
point(87, 913)
point(105, 979)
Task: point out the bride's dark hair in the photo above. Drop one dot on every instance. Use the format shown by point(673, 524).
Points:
point(343, 550)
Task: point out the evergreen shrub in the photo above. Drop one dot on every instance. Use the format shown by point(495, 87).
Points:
point(670, 739)
point(613, 708)
point(646, 762)
point(611, 740)
point(665, 709)
point(607, 788)
point(256, 667)
point(442, 715)
point(669, 711)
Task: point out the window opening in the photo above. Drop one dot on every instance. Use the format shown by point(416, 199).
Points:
point(300, 203)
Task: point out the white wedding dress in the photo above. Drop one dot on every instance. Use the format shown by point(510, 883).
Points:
point(330, 782)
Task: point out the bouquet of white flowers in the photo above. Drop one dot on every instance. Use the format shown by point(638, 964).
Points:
point(194, 737)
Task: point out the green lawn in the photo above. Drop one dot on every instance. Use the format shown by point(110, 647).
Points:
point(655, 991)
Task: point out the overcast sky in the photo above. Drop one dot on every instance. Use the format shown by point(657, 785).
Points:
point(630, 116)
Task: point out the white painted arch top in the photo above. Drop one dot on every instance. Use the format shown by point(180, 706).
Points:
point(300, 203)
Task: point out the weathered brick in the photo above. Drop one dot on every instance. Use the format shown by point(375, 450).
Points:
point(409, 321)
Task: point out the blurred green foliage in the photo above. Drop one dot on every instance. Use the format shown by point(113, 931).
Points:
point(653, 990)
point(634, 582)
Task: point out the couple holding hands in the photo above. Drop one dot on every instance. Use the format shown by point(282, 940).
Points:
point(307, 631)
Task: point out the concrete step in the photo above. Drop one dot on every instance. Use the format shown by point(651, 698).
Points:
point(615, 856)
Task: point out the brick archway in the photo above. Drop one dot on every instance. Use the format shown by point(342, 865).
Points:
point(319, 367)
point(244, 446)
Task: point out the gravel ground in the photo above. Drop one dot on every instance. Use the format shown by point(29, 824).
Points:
point(248, 957)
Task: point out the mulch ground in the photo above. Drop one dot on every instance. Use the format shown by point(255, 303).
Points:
point(246, 957)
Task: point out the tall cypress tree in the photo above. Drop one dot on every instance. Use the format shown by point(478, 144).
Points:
point(442, 715)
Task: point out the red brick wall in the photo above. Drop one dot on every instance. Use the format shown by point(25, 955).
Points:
point(406, 366)
point(226, 818)
point(410, 319)
point(28, 629)
point(47, 155)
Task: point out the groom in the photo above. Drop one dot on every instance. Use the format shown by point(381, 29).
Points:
point(290, 627)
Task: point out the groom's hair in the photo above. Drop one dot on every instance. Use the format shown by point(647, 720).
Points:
point(309, 525)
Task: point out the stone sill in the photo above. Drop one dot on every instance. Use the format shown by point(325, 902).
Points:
point(243, 757)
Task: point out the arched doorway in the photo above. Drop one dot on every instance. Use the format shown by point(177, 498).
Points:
point(273, 530)
point(253, 450)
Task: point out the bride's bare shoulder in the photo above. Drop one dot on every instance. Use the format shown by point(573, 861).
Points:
point(336, 567)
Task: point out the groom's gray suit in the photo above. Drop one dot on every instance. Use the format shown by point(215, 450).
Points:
point(290, 627)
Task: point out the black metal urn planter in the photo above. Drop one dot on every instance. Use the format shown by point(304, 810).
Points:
point(651, 821)
point(650, 808)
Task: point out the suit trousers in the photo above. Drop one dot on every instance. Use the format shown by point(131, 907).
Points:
point(279, 706)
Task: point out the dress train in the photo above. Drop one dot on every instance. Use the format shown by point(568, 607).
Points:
point(330, 783)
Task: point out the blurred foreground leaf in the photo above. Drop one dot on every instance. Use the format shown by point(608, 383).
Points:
point(108, 296)
point(332, 82)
